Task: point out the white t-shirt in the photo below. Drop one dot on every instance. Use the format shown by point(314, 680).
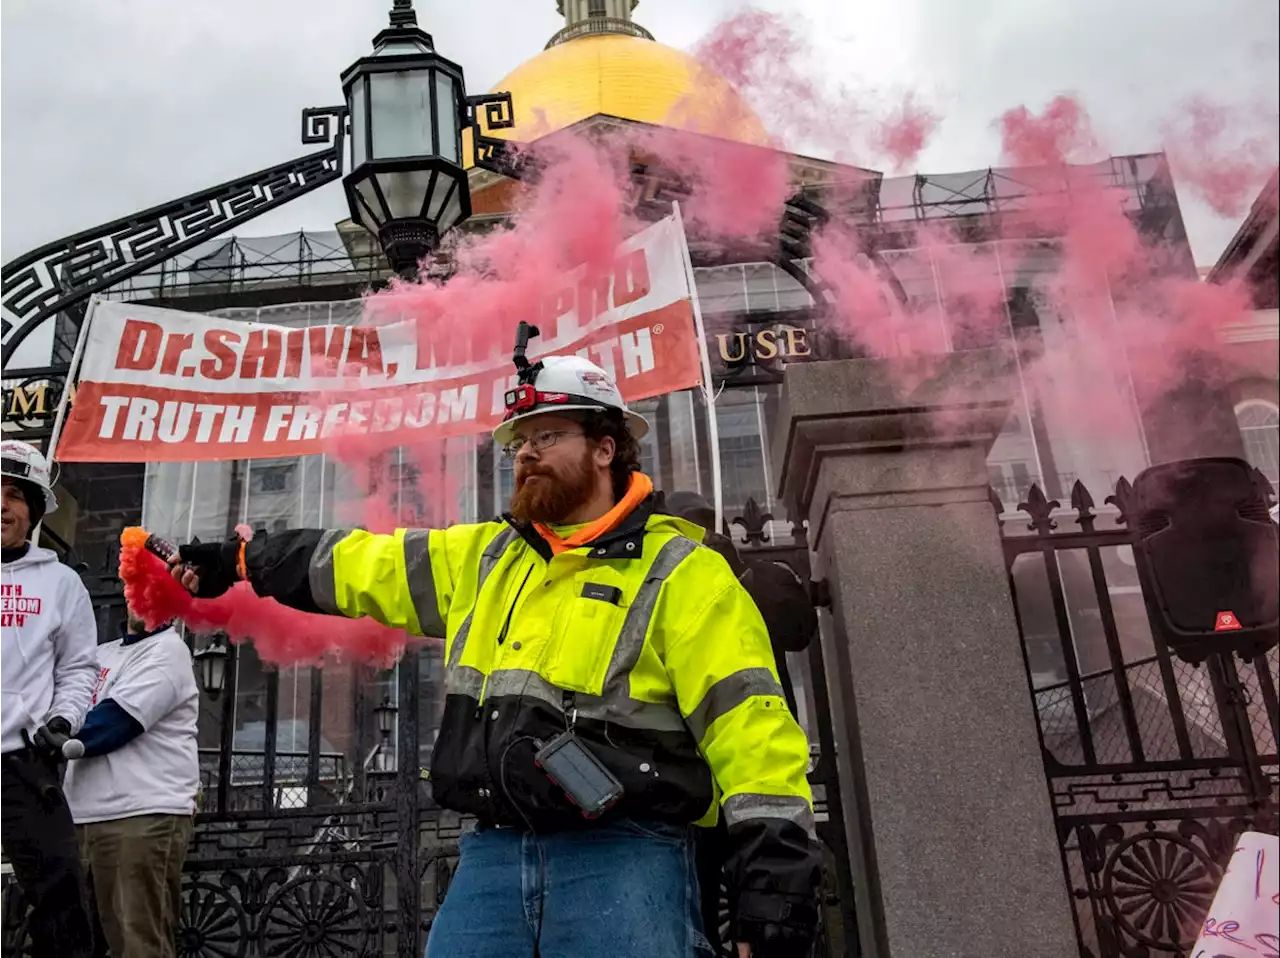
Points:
point(158, 773)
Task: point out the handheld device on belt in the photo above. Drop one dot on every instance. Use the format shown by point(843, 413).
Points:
point(572, 767)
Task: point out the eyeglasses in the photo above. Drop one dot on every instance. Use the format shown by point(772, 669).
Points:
point(539, 440)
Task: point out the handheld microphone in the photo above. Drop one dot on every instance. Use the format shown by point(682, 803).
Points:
point(66, 746)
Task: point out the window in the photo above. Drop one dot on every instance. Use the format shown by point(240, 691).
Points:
point(1022, 308)
point(596, 8)
point(1012, 481)
point(1259, 423)
point(272, 478)
point(1021, 478)
point(742, 463)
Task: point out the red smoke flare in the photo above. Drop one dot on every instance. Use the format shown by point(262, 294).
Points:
point(281, 636)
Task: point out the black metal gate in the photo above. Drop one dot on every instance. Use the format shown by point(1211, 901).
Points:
point(305, 851)
point(838, 935)
point(323, 851)
point(1154, 765)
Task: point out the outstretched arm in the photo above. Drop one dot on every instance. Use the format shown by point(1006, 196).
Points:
point(402, 579)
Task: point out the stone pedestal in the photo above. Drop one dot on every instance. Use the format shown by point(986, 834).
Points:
point(945, 804)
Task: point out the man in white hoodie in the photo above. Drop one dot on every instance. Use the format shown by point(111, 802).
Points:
point(48, 663)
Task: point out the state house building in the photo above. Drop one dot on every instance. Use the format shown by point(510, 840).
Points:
point(603, 69)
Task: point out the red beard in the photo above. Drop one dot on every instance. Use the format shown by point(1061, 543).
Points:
point(550, 497)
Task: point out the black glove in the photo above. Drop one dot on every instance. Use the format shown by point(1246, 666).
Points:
point(214, 563)
point(50, 736)
point(775, 924)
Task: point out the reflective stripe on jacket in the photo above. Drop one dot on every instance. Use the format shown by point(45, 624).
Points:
point(643, 640)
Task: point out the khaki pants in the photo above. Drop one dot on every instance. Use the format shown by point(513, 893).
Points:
point(134, 867)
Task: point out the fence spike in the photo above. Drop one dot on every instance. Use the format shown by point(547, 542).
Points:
point(1040, 509)
point(1122, 499)
point(753, 521)
point(1263, 485)
point(1082, 503)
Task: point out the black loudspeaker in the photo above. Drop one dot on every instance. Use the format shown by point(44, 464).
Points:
point(1210, 556)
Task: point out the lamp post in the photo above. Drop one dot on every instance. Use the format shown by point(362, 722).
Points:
point(211, 667)
point(385, 714)
point(407, 107)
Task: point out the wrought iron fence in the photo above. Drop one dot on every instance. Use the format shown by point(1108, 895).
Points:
point(290, 782)
point(1154, 765)
point(756, 536)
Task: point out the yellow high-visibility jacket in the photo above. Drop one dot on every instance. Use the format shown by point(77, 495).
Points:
point(642, 641)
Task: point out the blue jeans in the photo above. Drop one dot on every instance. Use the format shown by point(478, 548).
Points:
point(626, 889)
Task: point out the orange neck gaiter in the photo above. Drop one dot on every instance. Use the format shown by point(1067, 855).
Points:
point(638, 490)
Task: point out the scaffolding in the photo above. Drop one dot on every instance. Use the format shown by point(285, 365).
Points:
point(977, 206)
point(324, 263)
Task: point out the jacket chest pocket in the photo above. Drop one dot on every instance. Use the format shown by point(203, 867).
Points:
point(585, 631)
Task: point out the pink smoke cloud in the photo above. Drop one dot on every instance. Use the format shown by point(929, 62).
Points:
point(905, 132)
point(1121, 307)
point(1223, 153)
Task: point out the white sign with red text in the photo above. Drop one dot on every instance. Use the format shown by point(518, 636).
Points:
point(159, 385)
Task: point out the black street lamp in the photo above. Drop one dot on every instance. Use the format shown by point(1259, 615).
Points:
point(211, 666)
point(386, 716)
point(407, 106)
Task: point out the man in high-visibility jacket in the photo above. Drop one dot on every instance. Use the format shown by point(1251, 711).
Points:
point(593, 649)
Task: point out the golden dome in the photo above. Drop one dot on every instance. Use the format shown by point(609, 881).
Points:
point(626, 77)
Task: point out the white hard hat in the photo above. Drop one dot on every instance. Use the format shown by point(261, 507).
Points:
point(566, 384)
point(21, 460)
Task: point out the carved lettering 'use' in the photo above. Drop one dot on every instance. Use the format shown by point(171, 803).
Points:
point(764, 345)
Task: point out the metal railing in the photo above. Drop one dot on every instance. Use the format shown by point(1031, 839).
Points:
point(598, 25)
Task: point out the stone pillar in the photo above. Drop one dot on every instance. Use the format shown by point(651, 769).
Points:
point(945, 804)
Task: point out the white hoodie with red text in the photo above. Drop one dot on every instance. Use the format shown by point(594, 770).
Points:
point(48, 646)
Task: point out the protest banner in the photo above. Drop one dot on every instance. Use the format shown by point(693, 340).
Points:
point(160, 385)
point(1244, 919)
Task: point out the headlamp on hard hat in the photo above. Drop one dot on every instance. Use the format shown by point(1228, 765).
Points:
point(521, 399)
point(526, 397)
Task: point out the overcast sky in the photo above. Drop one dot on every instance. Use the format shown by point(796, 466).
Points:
point(109, 106)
